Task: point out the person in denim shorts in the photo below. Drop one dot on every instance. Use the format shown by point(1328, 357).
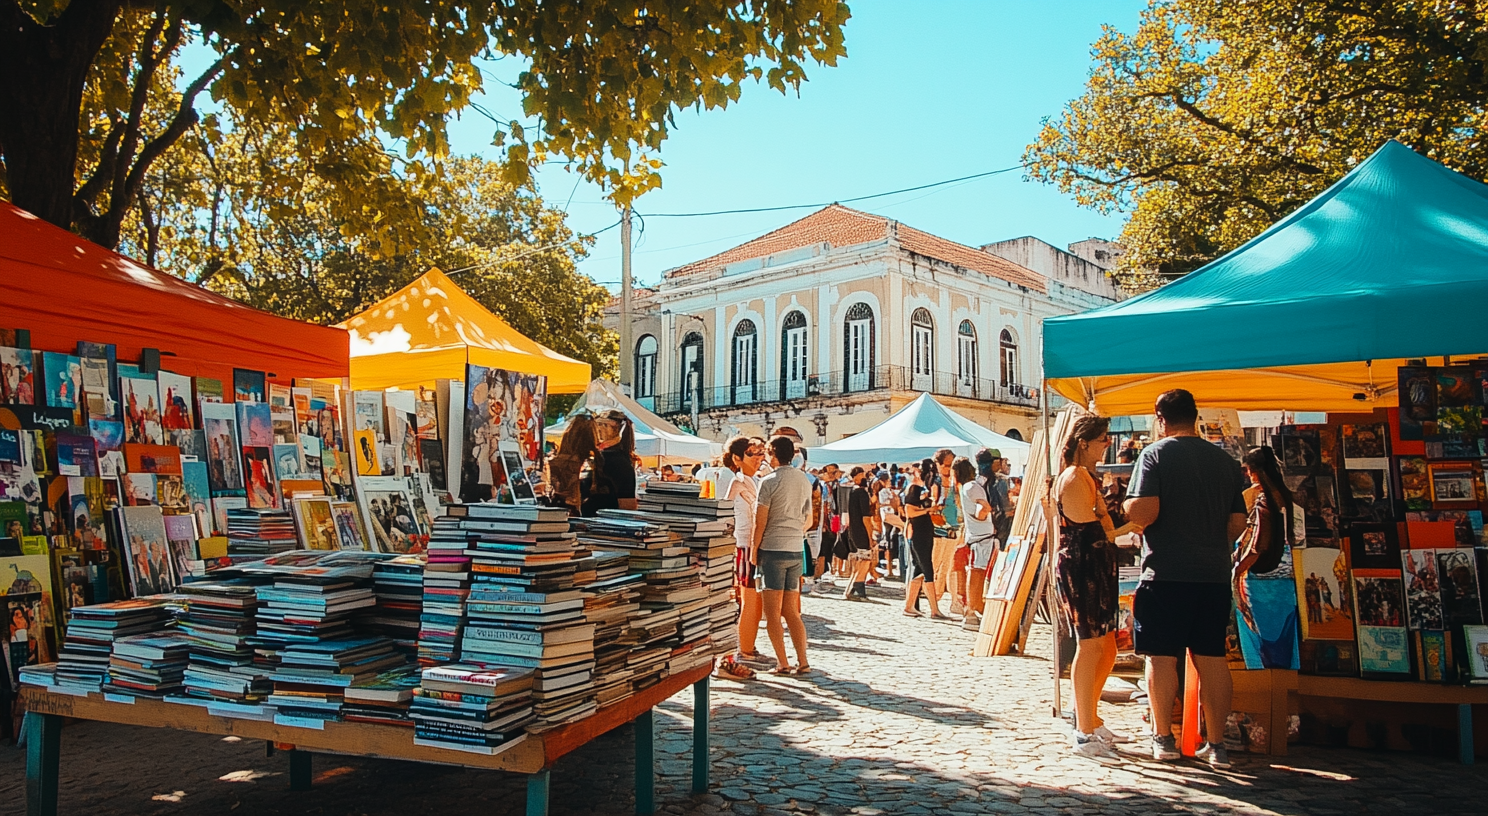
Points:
point(782, 517)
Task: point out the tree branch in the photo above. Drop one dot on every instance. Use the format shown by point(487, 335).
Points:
point(149, 61)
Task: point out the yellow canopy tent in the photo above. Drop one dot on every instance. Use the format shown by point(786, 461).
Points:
point(431, 328)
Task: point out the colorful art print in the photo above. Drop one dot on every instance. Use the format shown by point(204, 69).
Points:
point(1337, 658)
point(1422, 589)
point(139, 489)
point(327, 424)
point(208, 389)
point(287, 462)
point(198, 489)
point(249, 386)
point(1456, 387)
point(77, 587)
point(175, 401)
point(1367, 485)
point(335, 468)
point(431, 455)
point(518, 481)
point(389, 504)
point(10, 446)
point(408, 445)
point(310, 453)
point(160, 459)
point(181, 535)
point(317, 528)
point(1415, 482)
point(17, 376)
point(1457, 571)
point(75, 455)
point(140, 399)
point(87, 522)
point(1365, 441)
point(13, 519)
point(220, 506)
point(64, 379)
point(223, 450)
point(1464, 421)
point(1379, 600)
point(285, 430)
point(1453, 484)
point(365, 448)
point(1373, 546)
point(192, 443)
point(108, 445)
point(367, 412)
point(1325, 591)
point(35, 457)
point(350, 527)
point(100, 372)
point(299, 400)
point(1313, 494)
point(146, 551)
point(279, 396)
point(1433, 651)
point(258, 477)
point(1417, 403)
point(27, 639)
point(19, 483)
point(170, 494)
point(1383, 650)
point(1300, 452)
point(1476, 638)
point(426, 414)
point(255, 424)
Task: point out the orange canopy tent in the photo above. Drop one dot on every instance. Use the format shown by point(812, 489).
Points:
point(65, 289)
point(431, 328)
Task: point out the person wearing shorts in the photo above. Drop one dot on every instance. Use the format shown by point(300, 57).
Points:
point(743, 456)
point(782, 517)
point(1187, 495)
point(981, 537)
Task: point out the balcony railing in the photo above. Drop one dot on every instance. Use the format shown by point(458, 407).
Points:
point(840, 383)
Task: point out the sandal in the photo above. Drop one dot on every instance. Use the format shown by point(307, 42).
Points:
point(783, 670)
point(803, 669)
point(734, 671)
point(909, 613)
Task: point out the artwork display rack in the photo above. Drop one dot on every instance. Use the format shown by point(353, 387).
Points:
point(533, 756)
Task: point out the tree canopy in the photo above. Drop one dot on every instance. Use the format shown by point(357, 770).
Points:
point(92, 101)
point(1216, 118)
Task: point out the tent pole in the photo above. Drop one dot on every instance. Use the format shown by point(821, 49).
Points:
point(1051, 544)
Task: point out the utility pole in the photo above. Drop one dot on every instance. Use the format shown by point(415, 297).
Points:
point(627, 353)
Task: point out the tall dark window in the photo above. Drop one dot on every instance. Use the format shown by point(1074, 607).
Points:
point(794, 355)
point(746, 361)
point(645, 367)
point(922, 350)
point(858, 344)
point(1008, 349)
point(690, 373)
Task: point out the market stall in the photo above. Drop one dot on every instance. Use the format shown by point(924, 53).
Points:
point(916, 432)
point(430, 329)
point(1338, 308)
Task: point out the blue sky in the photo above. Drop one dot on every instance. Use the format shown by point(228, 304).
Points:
point(929, 91)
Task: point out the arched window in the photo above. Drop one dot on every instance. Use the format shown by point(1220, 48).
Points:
point(1014, 433)
point(859, 342)
point(690, 374)
point(1008, 351)
point(966, 357)
point(794, 355)
point(746, 361)
point(922, 350)
point(645, 367)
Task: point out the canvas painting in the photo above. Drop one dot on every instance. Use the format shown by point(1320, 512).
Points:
point(1457, 571)
point(317, 527)
point(1365, 447)
point(64, 379)
point(176, 413)
point(108, 445)
point(1383, 649)
point(180, 536)
point(26, 592)
point(389, 503)
point(287, 462)
point(140, 397)
point(17, 376)
point(258, 471)
point(1322, 581)
point(366, 453)
point(1476, 638)
point(1422, 589)
point(170, 494)
point(350, 528)
point(146, 551)
point(249, 386)
point(139, 489)
point(1415, 482)
point(224, 457)
point(198, 494)
point(1417, 403)
point(255, 424)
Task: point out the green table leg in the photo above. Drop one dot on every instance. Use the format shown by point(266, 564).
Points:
point(537, 793)
point(645, 765)
point(1465, 733)
point(700, 706)
point(299, 770)
point(43, 752)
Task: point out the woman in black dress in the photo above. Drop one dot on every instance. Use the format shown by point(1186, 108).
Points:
point(917, 504)
point(612, 482)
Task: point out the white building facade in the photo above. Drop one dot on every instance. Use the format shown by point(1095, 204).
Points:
point(833, 322)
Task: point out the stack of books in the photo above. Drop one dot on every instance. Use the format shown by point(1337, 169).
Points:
point(710, 538)
point(311, 680)
point(524, 610)
point(470, 708)
point(148, 665)
point(260, 531)
point(445, 586)
point(217, 622)
point(384, 699)
point(313, 598)
point(92, 632)
point(610, 600)
point(398, 583)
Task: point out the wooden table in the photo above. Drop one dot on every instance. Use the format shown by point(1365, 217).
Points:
point(533, 756)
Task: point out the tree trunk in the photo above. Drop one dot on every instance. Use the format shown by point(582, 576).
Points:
point(41, 99)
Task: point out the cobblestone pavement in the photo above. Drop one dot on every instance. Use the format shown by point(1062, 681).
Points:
point(897, 719)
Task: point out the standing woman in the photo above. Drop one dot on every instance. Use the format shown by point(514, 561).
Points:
point(1263, 548)
point(612, 483)
point(917, 506)
point(1086, 569)
point(564, 466)
point(742, 456)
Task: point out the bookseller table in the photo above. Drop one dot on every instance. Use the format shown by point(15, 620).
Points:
point(533, 756)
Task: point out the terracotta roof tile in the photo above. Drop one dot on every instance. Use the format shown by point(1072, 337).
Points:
point(841, 226)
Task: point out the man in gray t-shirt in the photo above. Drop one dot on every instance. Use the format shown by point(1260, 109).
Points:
point(781, 518)
point(1187, 496)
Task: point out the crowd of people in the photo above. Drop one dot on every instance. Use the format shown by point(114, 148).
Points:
point(1207, 523)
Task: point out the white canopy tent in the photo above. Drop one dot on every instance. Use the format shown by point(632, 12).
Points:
point(917, 431)
point(654, 436)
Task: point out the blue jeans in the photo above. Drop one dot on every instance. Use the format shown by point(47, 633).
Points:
point(780, 570)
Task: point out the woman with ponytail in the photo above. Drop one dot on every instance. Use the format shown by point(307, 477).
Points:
point(917, 506)
point(1267, 536)
point(742, 456)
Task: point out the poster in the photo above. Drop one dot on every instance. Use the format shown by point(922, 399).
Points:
point(503, 415)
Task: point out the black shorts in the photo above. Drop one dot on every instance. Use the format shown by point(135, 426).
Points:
point(828, 544)
point(1170, 617)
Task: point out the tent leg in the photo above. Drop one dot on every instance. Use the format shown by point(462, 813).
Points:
point(1051, 543)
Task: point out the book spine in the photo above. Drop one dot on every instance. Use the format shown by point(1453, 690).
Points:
point(506, 635)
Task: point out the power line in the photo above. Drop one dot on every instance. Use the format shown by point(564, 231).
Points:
point(840, 201)
point(534, 251)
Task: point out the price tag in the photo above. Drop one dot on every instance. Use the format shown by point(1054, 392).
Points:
point(299, 722)
point(126, 699)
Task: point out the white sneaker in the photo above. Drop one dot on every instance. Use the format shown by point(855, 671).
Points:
point(809, 588)
point(1091, 747)
point(827, 580)
point(1110, 737)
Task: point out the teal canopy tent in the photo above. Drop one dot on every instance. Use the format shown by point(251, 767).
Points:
point(1315, 313)
point(917, 431)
